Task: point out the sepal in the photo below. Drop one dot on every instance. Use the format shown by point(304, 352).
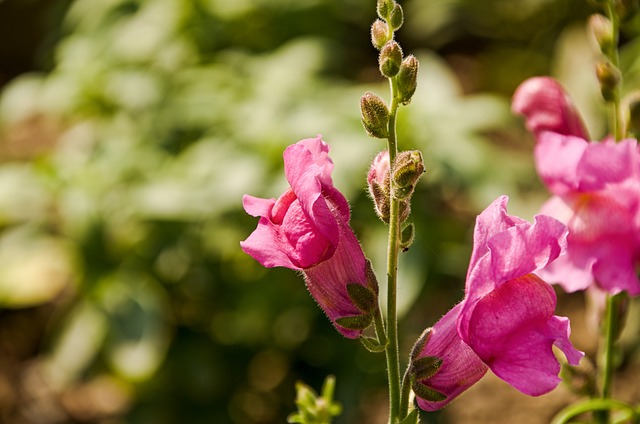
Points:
point(390, 59)
point(355, 322)
point(406, 170)
point(407, 236)
point(412, 418)
point(362, 297)
point(379, 34)
point(427, 393)
point(384, 8)
point(396, 17)
point(425, 367)
point(407, 79)
point(372, 344)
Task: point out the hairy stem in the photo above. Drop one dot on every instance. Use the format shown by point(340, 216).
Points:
point(393, 361)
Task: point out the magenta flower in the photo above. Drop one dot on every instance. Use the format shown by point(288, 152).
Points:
point(506, 321)
point(307, 229)
point(596, 188)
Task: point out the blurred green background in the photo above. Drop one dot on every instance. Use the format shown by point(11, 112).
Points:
point(129, 131)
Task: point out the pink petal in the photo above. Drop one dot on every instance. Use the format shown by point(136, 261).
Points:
point(266, 246)
point(327, 281)
point(607, 162)
point(557, 159)
point(256, 206)
point(513, 329)
point(511, 247)
point(547, 107)
point(491, 221)
point(461, 367)
point(307, 170)
point(525, 248)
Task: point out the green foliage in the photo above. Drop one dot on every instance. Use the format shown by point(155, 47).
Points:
point(314, 409)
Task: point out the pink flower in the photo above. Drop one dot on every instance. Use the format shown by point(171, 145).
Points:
point(596, 188)
point(506, 321)
point(547, 108)
point(307, 229)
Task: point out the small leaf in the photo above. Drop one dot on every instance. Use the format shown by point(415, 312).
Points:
point(412, 418)
point(427, 393)
point(372, 345)
point(355, 322)
point(426, 367)
point(361, 296)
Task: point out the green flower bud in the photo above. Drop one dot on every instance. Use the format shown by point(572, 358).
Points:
point(407, 236)
point(602, 30)
point(405, 172)
point(396, 17)
point(375, 115)
point(390, 59)
point(384, 8)
point(407, 79)
point(379, 34)
point(609, 78)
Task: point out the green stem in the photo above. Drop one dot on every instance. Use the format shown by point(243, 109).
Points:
point(617, 126)
point(393, 361)
point(611, 329)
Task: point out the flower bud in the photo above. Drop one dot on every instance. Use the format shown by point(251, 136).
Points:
point(379, 34)
point(378, 182)
point(407, 79)
point(407, 168)
point(609, 78)
point(602, 30)
point(633, 114)
point(390, 59)
point(375, 115)
point(384, 8)
point(396, 17)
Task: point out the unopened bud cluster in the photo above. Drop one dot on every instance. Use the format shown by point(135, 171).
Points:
point(393, 65)
point(397, 181)
point(608, 74)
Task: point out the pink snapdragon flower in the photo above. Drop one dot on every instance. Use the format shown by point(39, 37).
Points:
point(596, 188)
point(307, 229)
point(506, 321)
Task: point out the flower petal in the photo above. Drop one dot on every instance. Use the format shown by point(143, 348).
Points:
point(308, 167)
point(327, 281)
point(557, 159)
point(513, 329)
point(547, 107)
point(461, 367)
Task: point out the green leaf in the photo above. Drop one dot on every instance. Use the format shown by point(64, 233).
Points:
point(355, 322)
point(627, 412)
point(364, 298)
point(427, 393)
point(426, 367)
